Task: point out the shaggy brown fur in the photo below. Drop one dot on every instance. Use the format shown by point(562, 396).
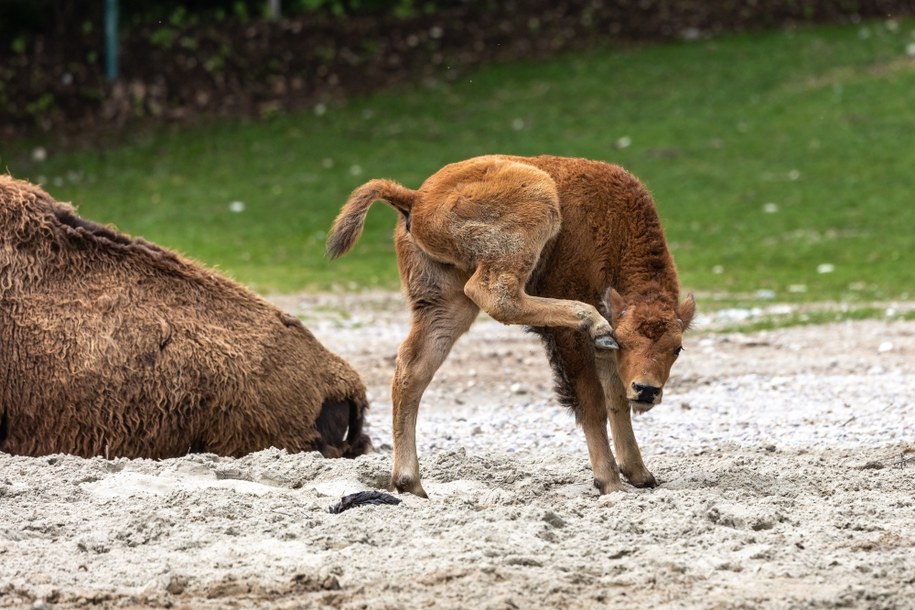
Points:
point(544, 242)
point(114, 346)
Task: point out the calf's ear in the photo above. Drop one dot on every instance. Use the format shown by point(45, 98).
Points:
point(612, 306)
point(686, 311)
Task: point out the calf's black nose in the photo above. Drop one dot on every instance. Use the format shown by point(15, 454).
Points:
point(646, 393)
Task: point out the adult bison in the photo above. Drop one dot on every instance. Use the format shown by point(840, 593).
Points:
point(570, 247)
point(114, 346)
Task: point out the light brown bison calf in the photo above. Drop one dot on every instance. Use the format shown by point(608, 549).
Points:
point(570, 247)
point(114, 346)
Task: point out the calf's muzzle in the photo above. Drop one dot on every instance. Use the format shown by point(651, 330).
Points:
point(646, 393)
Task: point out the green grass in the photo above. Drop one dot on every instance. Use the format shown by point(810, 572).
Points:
point(816, 124)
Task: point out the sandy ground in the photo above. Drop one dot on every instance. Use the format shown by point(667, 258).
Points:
point(785, 462)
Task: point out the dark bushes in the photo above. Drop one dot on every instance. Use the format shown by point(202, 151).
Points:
point(238, 63)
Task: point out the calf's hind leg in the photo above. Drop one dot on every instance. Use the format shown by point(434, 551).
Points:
point(438, 320)
point(499, 291)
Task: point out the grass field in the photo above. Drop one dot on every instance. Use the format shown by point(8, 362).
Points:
point(783, 163)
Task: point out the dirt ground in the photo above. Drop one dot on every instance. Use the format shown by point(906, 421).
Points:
point(785, 460)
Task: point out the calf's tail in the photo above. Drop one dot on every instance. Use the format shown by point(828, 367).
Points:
point(349, 223)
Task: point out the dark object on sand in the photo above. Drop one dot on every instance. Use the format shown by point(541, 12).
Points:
point(362, 498)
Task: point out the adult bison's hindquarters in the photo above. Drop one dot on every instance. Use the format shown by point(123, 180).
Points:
point(114, 346)
point(569, 247)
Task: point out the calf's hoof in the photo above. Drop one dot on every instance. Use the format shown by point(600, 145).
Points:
point(606, 342)
point(407, 484)
point(606, 487)
point(641, 479)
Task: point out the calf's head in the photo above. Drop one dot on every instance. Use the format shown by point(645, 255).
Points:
point(649, 334)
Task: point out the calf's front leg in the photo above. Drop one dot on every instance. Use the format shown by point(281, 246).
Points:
point(627, 449)
point(580, 388)
point(591, 416)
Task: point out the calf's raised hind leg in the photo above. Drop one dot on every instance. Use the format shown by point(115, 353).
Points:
point(499, 291)
point(438, 321)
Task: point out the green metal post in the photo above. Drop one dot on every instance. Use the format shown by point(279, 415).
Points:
point(111, 39)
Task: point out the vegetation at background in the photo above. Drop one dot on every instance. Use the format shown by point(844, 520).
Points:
point(188, 61)
point(38, 16)
point(781, 163)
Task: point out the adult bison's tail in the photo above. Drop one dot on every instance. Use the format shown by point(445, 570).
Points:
point(338, 416)
point(357, 441)
point(349, 223)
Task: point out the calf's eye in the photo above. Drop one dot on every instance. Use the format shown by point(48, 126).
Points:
point(677, 350)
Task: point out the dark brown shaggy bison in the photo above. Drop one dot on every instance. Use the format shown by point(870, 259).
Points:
point(114, 346)
point(569, 247)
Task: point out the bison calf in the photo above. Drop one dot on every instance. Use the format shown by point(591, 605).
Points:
point(114, 346)
point(569, 247)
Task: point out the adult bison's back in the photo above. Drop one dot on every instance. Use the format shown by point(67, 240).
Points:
point(114, 346)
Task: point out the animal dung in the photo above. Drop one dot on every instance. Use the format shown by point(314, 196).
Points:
point(362, 498)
